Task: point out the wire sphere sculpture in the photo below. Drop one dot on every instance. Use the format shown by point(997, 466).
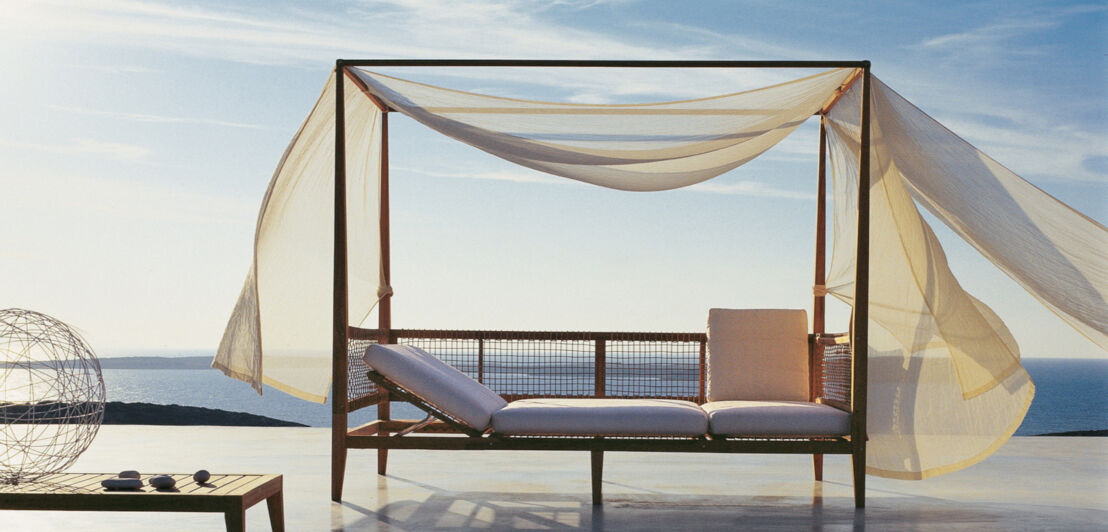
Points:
point(51, 396)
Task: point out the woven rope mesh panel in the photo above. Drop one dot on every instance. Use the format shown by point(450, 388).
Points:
point(545, 368)
point(661, 369)
point(834, 369)
point(358, 385)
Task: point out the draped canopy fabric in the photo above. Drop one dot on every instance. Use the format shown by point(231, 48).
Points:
point(640, 147)
point(945, 383)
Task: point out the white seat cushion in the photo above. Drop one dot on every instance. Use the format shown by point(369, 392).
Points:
point(436, 382)
point(775, 418)
point(601, 417)
point(757, 355)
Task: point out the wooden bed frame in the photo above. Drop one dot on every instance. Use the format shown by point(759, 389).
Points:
point(841, 384)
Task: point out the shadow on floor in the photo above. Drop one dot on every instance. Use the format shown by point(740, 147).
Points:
point(437, 509)
point(444, 510)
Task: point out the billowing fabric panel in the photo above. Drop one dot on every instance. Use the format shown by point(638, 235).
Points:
point(285, 308)
point(945, 385)
point(1054, 252)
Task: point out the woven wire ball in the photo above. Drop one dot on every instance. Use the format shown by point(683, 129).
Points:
point(51, 396)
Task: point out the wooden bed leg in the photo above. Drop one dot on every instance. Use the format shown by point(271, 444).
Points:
point(858, 461)
point(817, 465)
point(383, 413)
point(338, 468)
point(338, 452)
point(597, 475)
point(382, 461)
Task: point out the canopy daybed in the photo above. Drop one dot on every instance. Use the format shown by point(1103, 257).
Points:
point(929, 377)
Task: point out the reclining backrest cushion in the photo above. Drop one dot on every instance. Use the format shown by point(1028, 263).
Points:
point(436, 382)
point(757, 355)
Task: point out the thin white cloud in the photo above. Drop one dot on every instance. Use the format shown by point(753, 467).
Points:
point(112, 150)
point(526, 176)
point(1021, 149)
point(283, 36)
point(990, 36)
point(386, 28)
point(515, 175)
point(750, 188)
point(155, 119)
point(75, 197)
point(993, 37)
point(733, 44)
point(115, 69)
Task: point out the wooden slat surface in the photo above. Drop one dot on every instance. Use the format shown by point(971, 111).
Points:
point(82, 491)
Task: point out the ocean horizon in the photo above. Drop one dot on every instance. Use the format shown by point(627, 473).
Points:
point(1071, 393)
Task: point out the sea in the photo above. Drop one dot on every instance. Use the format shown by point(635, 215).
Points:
point(1071, 395)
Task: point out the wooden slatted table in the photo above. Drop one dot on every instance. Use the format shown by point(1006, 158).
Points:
point(229, 494)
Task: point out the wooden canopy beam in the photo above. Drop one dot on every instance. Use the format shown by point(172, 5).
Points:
point(574, 63)
point(841, 91)
point(365, 90)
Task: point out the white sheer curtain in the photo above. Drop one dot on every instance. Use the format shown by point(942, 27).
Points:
point(945, 385)
point(285, 308)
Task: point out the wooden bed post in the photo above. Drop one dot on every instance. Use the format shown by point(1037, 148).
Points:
point(597, 462)
point(860, 342)
point(821, 261)
point(384, 306)
point(384, 302)
point(339, 318)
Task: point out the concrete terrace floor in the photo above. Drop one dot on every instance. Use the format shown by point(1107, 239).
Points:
point(1041, 483)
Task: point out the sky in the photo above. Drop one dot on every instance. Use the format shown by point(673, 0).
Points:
point(137, 139)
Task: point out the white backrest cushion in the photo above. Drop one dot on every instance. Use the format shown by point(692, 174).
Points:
point(757, 355)
point(436, 382)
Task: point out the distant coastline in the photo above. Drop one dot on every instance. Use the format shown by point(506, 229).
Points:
point(142, 362)
point(118, 413)
point(1103, 432)
point(148, 362)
